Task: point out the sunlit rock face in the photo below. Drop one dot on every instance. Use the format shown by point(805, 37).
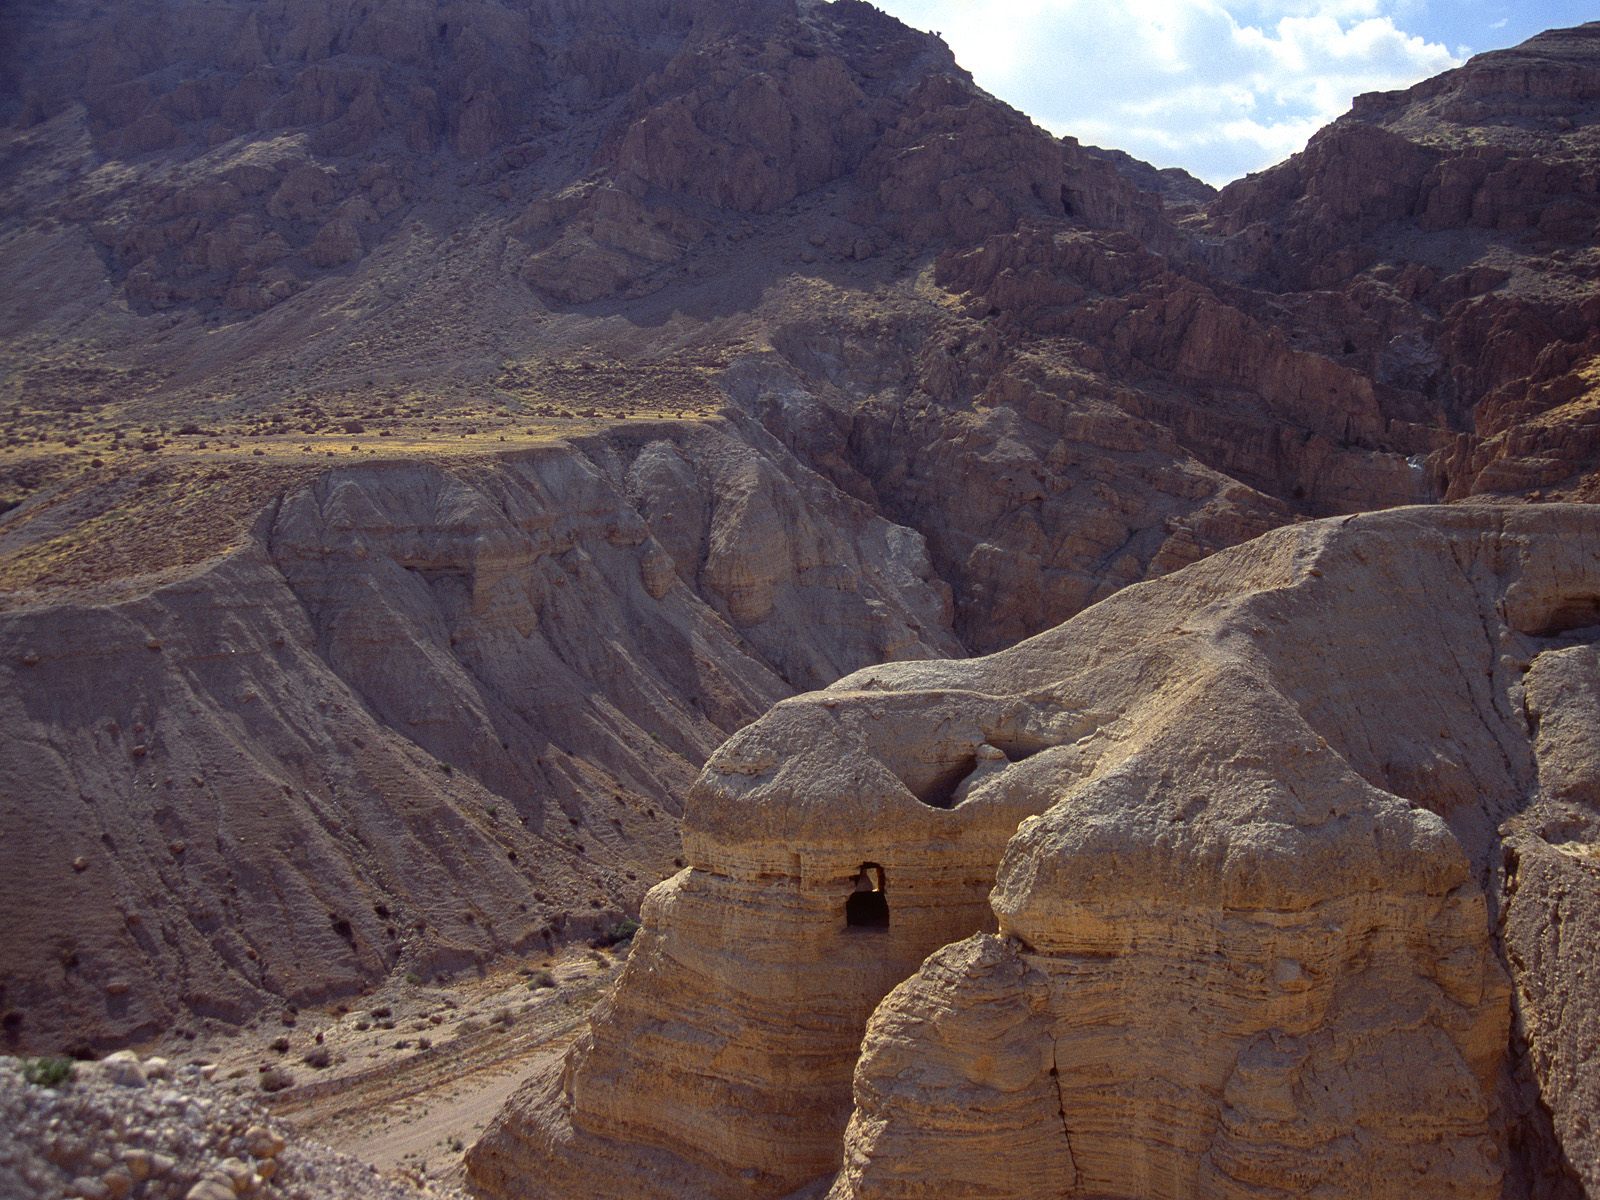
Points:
point(945, 381)
point(1202, 893)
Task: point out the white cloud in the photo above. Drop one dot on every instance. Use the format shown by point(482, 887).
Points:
point(1220, 87)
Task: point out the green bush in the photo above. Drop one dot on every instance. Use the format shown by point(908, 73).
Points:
point(623, 930)
point(47, 1072)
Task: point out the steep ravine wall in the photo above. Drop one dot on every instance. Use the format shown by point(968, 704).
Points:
point(430, 713)
point(1238, 945)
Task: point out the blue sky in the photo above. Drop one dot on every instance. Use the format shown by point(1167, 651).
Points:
point(1218, 87)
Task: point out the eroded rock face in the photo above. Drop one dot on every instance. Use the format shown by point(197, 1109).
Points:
point(273, 778)
point(749, 978)
point(976, 1073)
point(1246, 936)
point(1484, 179)
point(242, 214)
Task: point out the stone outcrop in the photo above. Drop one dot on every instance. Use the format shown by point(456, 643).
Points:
point(748, 978)
point(1452, 228)
point(1262, 836)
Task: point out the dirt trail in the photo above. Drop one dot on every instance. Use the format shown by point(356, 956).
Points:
point(413, 1113)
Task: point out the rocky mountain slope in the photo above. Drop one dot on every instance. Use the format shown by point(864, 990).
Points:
point(428, 429)
point(424, 715)
point(1274, 877)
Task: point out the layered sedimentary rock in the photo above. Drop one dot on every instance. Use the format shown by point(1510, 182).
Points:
point(749, 977)
point(1246, 938)
point(964, 361)
point(425, 715)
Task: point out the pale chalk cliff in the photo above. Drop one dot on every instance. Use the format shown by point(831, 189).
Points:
point(1274, 877)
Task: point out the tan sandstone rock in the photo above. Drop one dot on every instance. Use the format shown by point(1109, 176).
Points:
point(1241, 941)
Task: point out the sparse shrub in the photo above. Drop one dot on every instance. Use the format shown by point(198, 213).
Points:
point(413, 978)
point(275, 1079)
point(543, 979)
point(318, 1057)
point(504, 1017)
point(280, 1044)
point(47, 1072)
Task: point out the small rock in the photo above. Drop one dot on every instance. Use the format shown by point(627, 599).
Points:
point(90, 1189)
point(262, 1142)
point(208, 1071)
point(162, 1164)
point(240, 1174)
point(123, 1069)
point(137, 1163)
point(266, 1169)
point(211, 1188)
point(119, 1182)
point(156, 1067)
point(62, 1152)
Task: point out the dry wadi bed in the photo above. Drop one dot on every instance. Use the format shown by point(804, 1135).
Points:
point(401, 1082)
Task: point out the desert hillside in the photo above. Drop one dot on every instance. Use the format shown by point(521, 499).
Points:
point(429, 430)
point(1274, 877)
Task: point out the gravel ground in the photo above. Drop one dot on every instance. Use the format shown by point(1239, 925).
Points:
point(124, 1127)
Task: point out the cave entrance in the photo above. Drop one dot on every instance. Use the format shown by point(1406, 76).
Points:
point(868, 905)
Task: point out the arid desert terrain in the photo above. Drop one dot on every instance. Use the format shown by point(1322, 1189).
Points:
point(512, 512)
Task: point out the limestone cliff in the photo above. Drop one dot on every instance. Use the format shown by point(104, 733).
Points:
point(1262, 837)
